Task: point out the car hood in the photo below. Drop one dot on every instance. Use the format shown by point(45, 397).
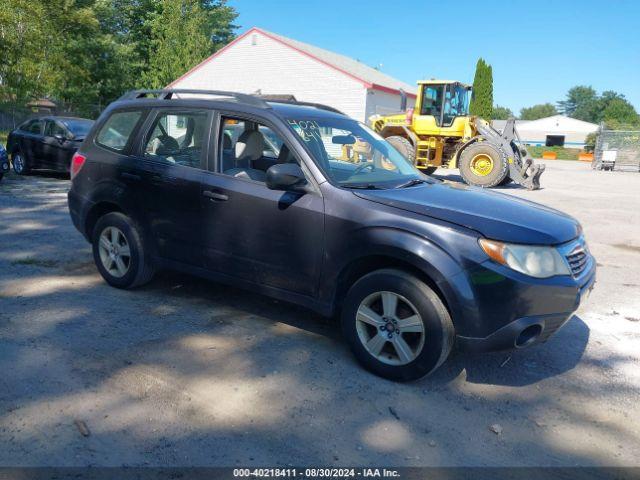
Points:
point(494, 215)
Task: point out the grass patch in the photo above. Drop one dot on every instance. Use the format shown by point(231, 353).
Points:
point(35, 262)
point(3, 138)
point(562, 152)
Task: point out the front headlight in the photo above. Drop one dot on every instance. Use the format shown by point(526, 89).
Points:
point(532, 260)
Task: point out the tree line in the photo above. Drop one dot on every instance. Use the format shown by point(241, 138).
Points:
point(581, 102)
point(88, 52)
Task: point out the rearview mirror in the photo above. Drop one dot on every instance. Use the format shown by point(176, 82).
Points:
point(343, 139)
point(286, 176)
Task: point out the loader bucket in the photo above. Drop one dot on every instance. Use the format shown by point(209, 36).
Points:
point(528, 175)
point(522, 170)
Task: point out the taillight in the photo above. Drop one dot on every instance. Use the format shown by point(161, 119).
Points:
point(409, 116)
point(77, 161)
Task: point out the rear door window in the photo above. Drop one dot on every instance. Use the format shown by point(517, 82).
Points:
point(34, 127)
point(117, 130)
point(53, 128)
point(178, 137)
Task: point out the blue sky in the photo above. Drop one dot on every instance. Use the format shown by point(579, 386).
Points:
point(538, 49)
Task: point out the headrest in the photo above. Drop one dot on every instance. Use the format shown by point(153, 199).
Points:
point(250, 145)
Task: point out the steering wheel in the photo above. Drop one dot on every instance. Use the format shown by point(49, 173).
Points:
point(363, 167)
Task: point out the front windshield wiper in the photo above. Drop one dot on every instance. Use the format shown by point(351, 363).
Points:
point(411, 183)
point(362, 186)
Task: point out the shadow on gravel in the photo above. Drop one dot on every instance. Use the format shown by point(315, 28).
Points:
point(518, 368)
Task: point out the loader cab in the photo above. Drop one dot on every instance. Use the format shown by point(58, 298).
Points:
point(443, 101)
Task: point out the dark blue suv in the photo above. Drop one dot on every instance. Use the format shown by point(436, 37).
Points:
point(299, 202)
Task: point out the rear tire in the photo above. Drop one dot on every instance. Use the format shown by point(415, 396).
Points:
point(20, 163)
point(120, 252)
point(482, 165)
point(403, 146)
point(404, 345)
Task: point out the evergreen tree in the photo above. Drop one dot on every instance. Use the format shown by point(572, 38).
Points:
point(482, 95)
point(179, 40)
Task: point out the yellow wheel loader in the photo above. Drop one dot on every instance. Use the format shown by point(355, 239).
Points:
point(439, 132)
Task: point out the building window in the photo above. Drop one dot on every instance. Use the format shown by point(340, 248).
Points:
point(555, 141)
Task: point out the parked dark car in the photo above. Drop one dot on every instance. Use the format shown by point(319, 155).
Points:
point(4, 161)
point(410, 264)
point(46, 143)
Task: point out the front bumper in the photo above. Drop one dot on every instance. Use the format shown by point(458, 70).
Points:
point(542, 310)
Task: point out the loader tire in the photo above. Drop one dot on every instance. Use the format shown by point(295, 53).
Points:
point(482, 165)
point(403, 146)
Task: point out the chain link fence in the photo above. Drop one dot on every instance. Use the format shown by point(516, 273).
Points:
point(12, 114)
point(617, 149)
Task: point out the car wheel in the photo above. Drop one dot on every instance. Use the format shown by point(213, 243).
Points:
point(20, 164)
point(120, 253)
point(396, 325)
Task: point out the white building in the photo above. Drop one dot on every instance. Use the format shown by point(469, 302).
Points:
point(557, 130)
point(263, 62)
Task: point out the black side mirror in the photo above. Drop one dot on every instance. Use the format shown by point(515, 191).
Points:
point(61, 138)
point(286, 176)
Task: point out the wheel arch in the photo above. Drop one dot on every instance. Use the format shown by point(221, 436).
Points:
point(362, 266)
point(399, 130)
point(98, 210)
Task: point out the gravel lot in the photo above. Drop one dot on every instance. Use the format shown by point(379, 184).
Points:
point(188, 372)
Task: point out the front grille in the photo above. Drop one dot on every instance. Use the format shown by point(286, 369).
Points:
point(577, 261)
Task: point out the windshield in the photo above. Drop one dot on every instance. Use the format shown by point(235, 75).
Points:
point(455, 103)
point(352, 155)
point(79, 128)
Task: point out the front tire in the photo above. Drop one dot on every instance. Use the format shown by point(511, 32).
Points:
point(396, 325)
point(120, 253)
point(482, 165)
point(20, 163)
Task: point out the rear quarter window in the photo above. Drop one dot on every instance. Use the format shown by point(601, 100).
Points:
point(117, 130)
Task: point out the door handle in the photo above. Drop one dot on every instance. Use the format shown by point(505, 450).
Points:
point(130, 176)
point(214, 196)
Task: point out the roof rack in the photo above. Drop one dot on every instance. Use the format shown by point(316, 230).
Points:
point(309, 104)
point(167, 94)
point(255, 100)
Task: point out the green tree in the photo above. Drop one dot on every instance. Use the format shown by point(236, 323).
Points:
point(581, 103)
point(538, 111)
point(501, 113)
point(183, 33)
point(482, 94)
point(616, 111)
point(24, 31)
point(88, 52)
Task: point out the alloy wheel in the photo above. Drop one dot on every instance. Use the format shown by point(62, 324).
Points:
point(18, 163)
point(115, 253)
point(390, 328)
